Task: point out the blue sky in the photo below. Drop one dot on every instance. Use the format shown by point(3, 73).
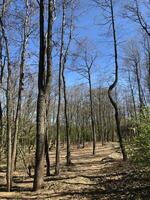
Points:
point(98, 34)
point(86, 27)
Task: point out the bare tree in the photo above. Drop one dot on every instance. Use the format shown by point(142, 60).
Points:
point(87, 59)
point(134, 13)
point(133, 59)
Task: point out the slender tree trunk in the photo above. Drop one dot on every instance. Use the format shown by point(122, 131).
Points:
point(77, 127)
point(68, 157)
point(1, 124)
point(132, 94)
point(139, 86)
point(47, 154)
point(92, 113)
point(18, 112)
point(8, 105)
point(9, 176)
point(114, 104)
point(57, 167)
point(46, 137)
point(1, 78)
point(148, 69)
point(83, 133)
point(48, 80)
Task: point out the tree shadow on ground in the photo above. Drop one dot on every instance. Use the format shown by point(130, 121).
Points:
point(99, 177)
point(124, 184)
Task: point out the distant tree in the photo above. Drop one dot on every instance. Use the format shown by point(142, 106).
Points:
point(87, 59)
point(133, 60)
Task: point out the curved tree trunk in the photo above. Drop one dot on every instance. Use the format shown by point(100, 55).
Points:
point(114, 104)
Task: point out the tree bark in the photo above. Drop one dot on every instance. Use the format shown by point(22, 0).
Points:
point(41, 109)
point(47, 154)
point(44, 83)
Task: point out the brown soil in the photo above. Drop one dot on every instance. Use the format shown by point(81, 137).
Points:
point(103, 176)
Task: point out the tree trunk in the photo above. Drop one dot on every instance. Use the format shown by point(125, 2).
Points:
point(9, 176)
point(47, 154)
point(40, 141)
point(68, 157)
point(139, 86)
point(92, 114)
point(18, 112)
point(44, 83)
point(114, 104)
point(132, 94)
point(41, 109)
point(8, 105)
point(57, 167)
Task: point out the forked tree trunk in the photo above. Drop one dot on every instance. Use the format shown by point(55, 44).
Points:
point(44, 83)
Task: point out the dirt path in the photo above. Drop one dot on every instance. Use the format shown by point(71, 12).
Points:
point(103, 176)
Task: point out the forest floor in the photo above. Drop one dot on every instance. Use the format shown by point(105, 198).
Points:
point(103, 176)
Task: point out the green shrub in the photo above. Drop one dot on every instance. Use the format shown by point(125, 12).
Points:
point(139, 146)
